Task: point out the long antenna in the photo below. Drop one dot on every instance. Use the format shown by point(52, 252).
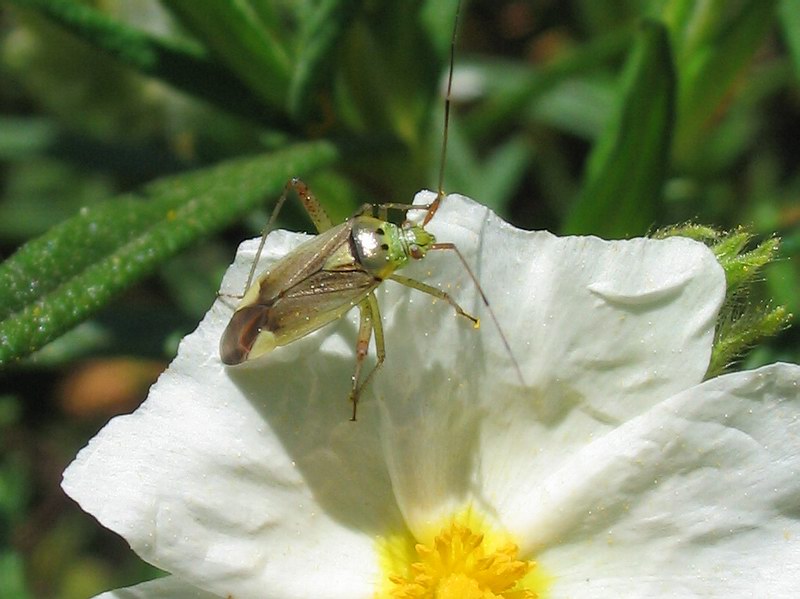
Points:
point(443, 157)
point(434, 206)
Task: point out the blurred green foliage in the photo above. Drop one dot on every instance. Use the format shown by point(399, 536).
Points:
point(132, 130)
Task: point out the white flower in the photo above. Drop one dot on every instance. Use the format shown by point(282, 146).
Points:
point(615, 469)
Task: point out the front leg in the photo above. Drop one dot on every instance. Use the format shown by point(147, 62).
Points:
point(438, 293)
point(313, 208)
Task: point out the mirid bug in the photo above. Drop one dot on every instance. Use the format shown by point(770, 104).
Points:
point(337, 270)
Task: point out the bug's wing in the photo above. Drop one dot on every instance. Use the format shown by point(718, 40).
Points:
point(305, 260)
point(317, 300)
point(320, 298)
point(311, 286)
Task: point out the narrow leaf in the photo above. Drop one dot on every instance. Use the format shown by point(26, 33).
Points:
point(492, 178)
point(318, 41)
point(513, 91)
point(184, 66)
point(627, 166)
point(56, 281)
point(736, 336)
point(713, 42)
point(237, 37)
point(436, 18)
point(789, 16)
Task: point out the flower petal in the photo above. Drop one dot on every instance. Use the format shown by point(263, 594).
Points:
point(607, 323)
point(602, 331)
point(247, 481)
point(697, 497)
point(251, 481)
point(169, 587)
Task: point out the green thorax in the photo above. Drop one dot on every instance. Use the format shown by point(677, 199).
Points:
point(382, 247)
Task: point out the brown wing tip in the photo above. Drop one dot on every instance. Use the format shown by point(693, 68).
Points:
point(241, 333)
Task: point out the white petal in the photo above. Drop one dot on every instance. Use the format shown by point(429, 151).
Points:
point(606, 322)
point(602, 330)
point(697, 497)
point(169, 587)
point(248, 481)
point(251, 481)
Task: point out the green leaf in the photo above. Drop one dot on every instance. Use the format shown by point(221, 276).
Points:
point(388, 75)
point(436, 17)
point(789, 18)
point(319, 39)
point(627, 166)
point(742, 322)
point(55, 281)
point(737, 334)
point(491, 179)
point(237, 37)
point(21, 138)
point(12, 573)
point(184, 66)
point(512, 90)
point(268, 13)
point(713, 42)
point(742, 267)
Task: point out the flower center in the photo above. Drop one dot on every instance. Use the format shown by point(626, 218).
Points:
point(459, 565)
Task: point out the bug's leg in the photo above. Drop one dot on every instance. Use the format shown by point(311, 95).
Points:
point(267, 229)
point(362, 347)
point(438, 293)
point(313, 208)
point(370, 324)
point(311, 204)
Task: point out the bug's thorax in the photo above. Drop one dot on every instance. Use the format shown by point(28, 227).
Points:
point(382, 247)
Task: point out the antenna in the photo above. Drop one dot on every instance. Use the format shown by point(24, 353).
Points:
point(434, 206)
point(447, 100)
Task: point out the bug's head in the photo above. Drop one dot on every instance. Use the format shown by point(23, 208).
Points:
point(417, 240)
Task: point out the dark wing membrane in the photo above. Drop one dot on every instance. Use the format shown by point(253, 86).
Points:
point(241, 333)
point(315, 301)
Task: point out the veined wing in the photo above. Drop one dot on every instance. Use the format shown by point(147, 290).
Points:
point(311, 286)
point(316, 301)
point(299, 264)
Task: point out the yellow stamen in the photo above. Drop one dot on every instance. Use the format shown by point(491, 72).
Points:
point(459, 565)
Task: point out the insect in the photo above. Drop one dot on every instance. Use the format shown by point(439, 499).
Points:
point(339, 269)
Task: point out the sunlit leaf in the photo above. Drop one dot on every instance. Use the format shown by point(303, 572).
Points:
point(57, 280)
